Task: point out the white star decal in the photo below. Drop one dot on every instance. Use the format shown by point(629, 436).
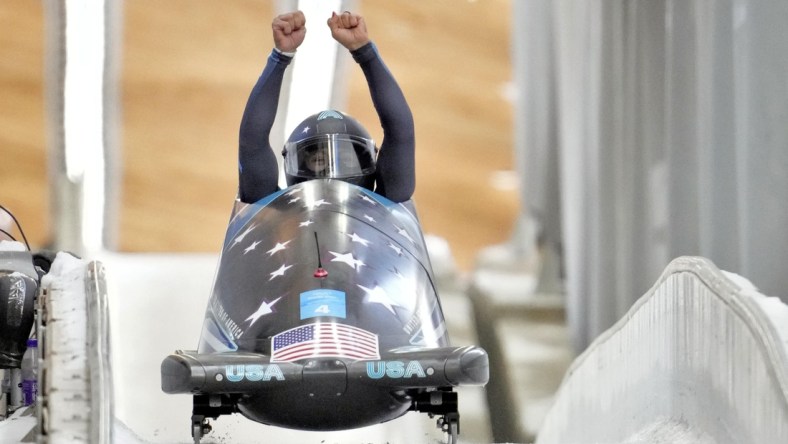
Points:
point(402, 232)
point(378, 295)
point(252, 247)
point(305, 130)
point(241, 237)
point(278, 247)
point(347, 258)
point(368, 199)
point(358, 239)
point(369, 218)
point(265, 308)
point(317, 203)
point(306, 223)
point(280, 271)
point(397, 249)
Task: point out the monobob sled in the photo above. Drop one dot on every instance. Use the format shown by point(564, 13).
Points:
point(324, 316)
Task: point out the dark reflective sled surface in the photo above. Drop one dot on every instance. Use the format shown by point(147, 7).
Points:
point(324, 316)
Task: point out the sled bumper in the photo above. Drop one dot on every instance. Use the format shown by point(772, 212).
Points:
point(244, 372)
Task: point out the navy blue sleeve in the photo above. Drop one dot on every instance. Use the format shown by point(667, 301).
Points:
point(395, 176)
point(258, 171)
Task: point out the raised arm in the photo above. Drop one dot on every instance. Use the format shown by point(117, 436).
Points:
point(258, 170)
point(396, 176)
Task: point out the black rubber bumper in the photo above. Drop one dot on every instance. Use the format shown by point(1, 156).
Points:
point(242, 372)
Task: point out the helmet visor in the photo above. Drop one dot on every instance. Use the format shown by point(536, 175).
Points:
point(330, 156)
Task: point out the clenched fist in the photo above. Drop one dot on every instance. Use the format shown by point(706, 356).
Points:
point(289, 31)
point(349, 30)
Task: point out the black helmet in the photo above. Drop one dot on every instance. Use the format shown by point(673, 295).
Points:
point(330, 145)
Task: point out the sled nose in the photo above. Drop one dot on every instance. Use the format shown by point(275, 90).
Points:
point(325, 377)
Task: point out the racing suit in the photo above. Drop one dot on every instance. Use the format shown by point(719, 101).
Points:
point(258, 170)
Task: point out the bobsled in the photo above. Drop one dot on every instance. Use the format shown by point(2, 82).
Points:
point(324, 315)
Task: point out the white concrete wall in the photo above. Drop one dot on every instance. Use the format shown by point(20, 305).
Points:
point(701, 357)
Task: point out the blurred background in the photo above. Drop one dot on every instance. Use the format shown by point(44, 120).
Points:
point(566, 151)
point(185, 72)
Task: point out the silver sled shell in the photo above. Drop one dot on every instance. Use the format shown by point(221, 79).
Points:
point(379, 278)
point(323, 316)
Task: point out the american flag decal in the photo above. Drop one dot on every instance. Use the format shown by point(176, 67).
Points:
point(324, 340)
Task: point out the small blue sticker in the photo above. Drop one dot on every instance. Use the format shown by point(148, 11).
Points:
point(322, 302)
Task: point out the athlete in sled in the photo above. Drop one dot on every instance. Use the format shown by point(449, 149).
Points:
point(324, 314)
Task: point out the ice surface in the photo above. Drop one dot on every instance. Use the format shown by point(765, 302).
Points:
point(11, 246)
point(68, 374)
point(694, 360)
point(773, 307)
point(17, 426)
